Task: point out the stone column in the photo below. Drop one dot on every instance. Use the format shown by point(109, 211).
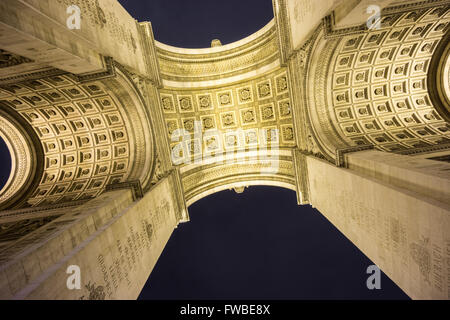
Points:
point(395, 209)
point(112, 240)
point(43, 31)
point(352, 13)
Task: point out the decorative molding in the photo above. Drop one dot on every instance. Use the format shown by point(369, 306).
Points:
point(427, 149)
point(301, 176)
point(27, 158)
point(190, 68)
point(158, 172)
point(158, 124)
point(135, 92)
point(30, 76)
point(182, 212)
point(444, 158)
point(110, 72)
point(322, 129)
point(15, 230)
point(134, 185)
point(150, 54)
point(331, 31)
point(26, 213)
point(298, 79)
point(8, 59)
point(149, 95)
point(414, 6)
point(284, 30)
point(438, 79)
point(340, 160)
point(107, 73)
point(269, 96)
point(89, 132)
point(373, 89)
point(204, 179)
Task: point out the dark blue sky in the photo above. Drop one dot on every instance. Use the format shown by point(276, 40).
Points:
point(194, 23)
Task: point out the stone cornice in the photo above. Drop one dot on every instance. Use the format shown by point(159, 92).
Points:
point(427, 149)
point(183, 215)
point(301, 176)
point(438, 79)
point(331, 31)
point(134, 186)
point(233, 62)
point(34, 212)
point(340, 160)
point(27, 158)
point(283, 30)
point(109, 71)
point(150, 56)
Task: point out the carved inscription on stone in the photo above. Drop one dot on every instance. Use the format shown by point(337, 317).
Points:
point(127, 252)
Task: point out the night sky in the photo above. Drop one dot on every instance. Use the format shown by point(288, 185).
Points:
point(259, 244)
point(194, 23)
point(5, 163)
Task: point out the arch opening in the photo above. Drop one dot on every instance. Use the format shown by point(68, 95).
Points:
point(260, 245)
point(5, 161)
point(240, 187)
point(26, 158)
point(439, 78)
point(225, 20)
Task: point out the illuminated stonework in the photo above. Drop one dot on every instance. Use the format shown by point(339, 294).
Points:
point(113, 135)
point(377, 90)
point(379, 87)
point(85, 135)
point(240, 86)
point(23, 158)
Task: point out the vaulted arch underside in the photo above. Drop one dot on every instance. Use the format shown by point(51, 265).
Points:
point(373, 87)
point(228, 114)
point(90, 134)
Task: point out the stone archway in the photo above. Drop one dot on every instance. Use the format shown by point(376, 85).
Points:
point(27, 158)
point(90, 134)
point(439, 78)
point(116, 139)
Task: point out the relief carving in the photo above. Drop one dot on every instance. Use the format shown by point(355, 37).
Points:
point(420, 253)
point(158, 173)
point(15, 230)
point(95, 292)
point(8, 59)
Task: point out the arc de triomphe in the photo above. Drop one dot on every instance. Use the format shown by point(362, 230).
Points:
point(113, 135)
